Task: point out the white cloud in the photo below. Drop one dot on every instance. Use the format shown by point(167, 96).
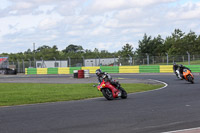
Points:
point(100, 31)
point(186, 11)
point(105, 24)
point(47, 24)
point(110, 5)
point(23, 5)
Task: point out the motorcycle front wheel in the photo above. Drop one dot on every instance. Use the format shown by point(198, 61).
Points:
point(190, 79)
point(124, 93)
point(107, 93)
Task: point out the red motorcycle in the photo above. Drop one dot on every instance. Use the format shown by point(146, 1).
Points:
point(110, 92)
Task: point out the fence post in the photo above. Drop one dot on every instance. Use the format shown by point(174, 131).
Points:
point(18, 64)
point(34, 62)
point(114, 60)
point(99, 61)
point(83, 60)
point(153, 59)
point(147, 58)
point(69, 65)
point(55, 61)
point(23, 66)
point(29, 63)
point(188, 57)
point(131, 60)
point(167, 58)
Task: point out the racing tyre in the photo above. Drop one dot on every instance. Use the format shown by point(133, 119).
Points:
point(107, 93)
point(190, 79)
point(124, 94)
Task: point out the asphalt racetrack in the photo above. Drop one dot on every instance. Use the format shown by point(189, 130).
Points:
point(175, 107)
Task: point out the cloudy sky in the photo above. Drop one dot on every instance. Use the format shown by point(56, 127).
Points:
point(102, 24)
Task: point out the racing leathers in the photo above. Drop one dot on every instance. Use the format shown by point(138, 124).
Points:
point(107, 78)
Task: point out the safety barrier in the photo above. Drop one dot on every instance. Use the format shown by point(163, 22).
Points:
point(149, 69)
point(194, 68)
point(74, 68)
point(166, 69)
point(52, 70)
point(110, 69)
point(30, 71)
point(63, 70)
point(129, 69)
point(41, 70)
point(91, 69)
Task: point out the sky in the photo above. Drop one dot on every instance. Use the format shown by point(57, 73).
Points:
point(103, 24)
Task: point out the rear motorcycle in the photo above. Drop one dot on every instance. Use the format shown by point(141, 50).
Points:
point(110, 92)
point(188, 75)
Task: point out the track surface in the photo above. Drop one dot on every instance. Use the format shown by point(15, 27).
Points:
point(172, 108)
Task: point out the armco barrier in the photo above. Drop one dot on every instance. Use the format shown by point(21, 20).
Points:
point(52, 70)
point(166, 69)
point(129, 69)
point(110, 69)
point(91, 69)
point(149, 69)
point(63, 70)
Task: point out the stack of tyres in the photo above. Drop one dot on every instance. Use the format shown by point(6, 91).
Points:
point(80, 73)
point(86, 73)
point(75, 73)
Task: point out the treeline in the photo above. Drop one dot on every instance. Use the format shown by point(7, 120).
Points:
point(178, 43)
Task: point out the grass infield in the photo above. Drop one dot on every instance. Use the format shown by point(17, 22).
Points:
point(30, 93)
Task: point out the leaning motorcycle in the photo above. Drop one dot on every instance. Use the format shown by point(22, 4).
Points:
point(110, 92)
point(188, 75)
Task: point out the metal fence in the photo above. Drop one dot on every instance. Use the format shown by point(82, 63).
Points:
point(20, 65)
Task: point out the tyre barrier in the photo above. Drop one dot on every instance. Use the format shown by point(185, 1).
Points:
point(8, 71)
point(75, 73)
point(80, 73)
point(86, 73)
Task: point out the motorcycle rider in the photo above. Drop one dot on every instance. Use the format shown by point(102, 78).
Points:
point(176, 70)
point(181, 67)
point(107, 78)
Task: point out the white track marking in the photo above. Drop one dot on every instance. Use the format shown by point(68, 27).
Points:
point(191, 130)
point(154, 89)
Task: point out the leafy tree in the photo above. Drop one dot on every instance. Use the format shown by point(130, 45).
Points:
point(47, 53)
point(73, 48)
point(144, 46)
point(177, 43)
point(127, 50)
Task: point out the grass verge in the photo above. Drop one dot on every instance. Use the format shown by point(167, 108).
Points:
point(30, 93)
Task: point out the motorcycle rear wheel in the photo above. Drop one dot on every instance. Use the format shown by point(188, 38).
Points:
point(107, 93)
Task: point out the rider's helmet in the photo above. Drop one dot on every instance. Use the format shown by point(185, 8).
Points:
point(174, 63)
point(180, 65)
point(98, 72)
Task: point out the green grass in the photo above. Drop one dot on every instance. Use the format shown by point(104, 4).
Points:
point(30, 93)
